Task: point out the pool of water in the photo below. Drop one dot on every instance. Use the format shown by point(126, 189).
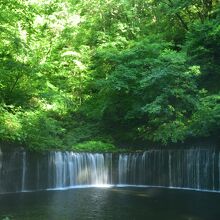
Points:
point(115, 203)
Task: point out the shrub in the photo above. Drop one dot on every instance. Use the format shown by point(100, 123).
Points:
point(94, 146)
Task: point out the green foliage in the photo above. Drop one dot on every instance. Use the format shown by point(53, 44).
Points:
point(147, 88)
point(204, 50)
point(6, 218)
point(10, 124)
point(206, 120)
point(171, 98)
point(42, 131)
point(94, 146)
point(80, 131)
point(125, 71)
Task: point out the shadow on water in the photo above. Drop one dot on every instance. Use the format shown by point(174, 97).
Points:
point(126, 203)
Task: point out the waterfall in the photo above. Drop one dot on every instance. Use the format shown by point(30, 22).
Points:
point(185, 168)
point(170, 170)
point(23, 178)
point(0, 169)
point(69, 169)
point(195, 168)
point(0, 160)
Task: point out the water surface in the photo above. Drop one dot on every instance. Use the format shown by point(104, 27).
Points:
point(126, 203)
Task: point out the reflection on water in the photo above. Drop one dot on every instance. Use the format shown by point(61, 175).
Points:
point(111, 204)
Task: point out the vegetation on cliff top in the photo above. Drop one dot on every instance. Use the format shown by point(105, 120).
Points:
point(112, 71)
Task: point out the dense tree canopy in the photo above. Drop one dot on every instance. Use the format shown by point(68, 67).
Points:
point(113, 71)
